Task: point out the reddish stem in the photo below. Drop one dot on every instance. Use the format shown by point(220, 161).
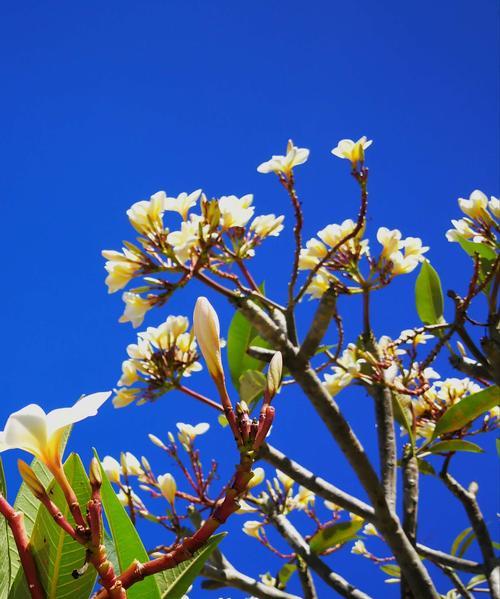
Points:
point(16, 524)
point(200, 397)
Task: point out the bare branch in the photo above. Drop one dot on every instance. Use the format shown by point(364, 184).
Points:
point(468, 499)
point(302, 548)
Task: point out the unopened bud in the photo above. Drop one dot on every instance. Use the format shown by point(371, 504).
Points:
point(145, 464)
point(168, 487)
point(171, 437)
point(207, 331)
point(473, 488)
point(211, 212)
point(154, 439)
point(274, 374)
point(31, 479)
point(242, 407)
point(95, 475)
point(257, 478)
point(461, 349)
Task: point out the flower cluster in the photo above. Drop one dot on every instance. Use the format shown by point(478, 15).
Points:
point(223, 232)
point(480, 223)
point(156, 364)
point(340, 248)
point(428, 407)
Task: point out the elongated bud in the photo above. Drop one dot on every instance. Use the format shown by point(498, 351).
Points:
point(31, 479)
point(257, 478)
point(95, 475)
point(274, 374)
point(168, 487)
point(207, 331)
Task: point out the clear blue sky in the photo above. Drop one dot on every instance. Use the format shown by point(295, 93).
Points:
point(104, 104)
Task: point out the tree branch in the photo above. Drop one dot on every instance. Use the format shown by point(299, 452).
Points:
point(387, 521)
point(320, 323)
point(228, 576)
point(468, 499)
point(410, 507)
point(302, 548)
point(314, 483)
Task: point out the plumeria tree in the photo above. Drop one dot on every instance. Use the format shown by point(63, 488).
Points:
point(75, 531)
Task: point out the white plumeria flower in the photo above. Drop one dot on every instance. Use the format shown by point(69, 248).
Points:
point(182, 203)
point(285, 480)
point(333, 507)
point(145, 216)
point(245, 508)
point(494, 206)
point(188, 432)
point(352, 150)
point(168, 487)
point(131, 465)
point(112, 469)
point(402, 265)
point(258, 477)
point(252, 528)
point(390, 240)
point(475, 206)
point(320, 283)
point(303, 498)
point(124, 397)
point(136, 500)
point(412, 337)
point(311, 254)
point(184, 240)
point(135, 308)
point(370, 530)
point(166, 334)
point(413, 248)
point(40, 434)
point(129, 374)
point(267, 225)
point(234, 211)
point(284, 164)
point(359, 548)
point(121, 268)
point(462, 229)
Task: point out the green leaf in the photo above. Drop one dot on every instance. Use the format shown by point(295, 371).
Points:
point(467, 410)
point(56, 554)
point(454, 445)
point(487, 256)
point(127, 542)
point(461, 537)
point(425, 468)
point(476, 580)
point(175, 582)
point(497, 444)
point(472, 248)
point(240, 337)
point(394, 571)
point(252, 384)
point(285, 574)
point(4, 543)
point(429, 295)
point(335, 534)
point(27, 504)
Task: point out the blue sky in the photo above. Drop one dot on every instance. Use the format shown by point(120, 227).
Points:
point(104, 104)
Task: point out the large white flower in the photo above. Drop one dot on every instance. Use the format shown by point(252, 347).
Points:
point(184, 240)
point(182, 203)
point(135, 308)
point(390, 240)
point(352, 150)
point(475, 206)
point(145, 216)
point(284, 164)
point(267, 225)
point(40, 434)
point(188, 432)
point(234, 211)
point(121, 268)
